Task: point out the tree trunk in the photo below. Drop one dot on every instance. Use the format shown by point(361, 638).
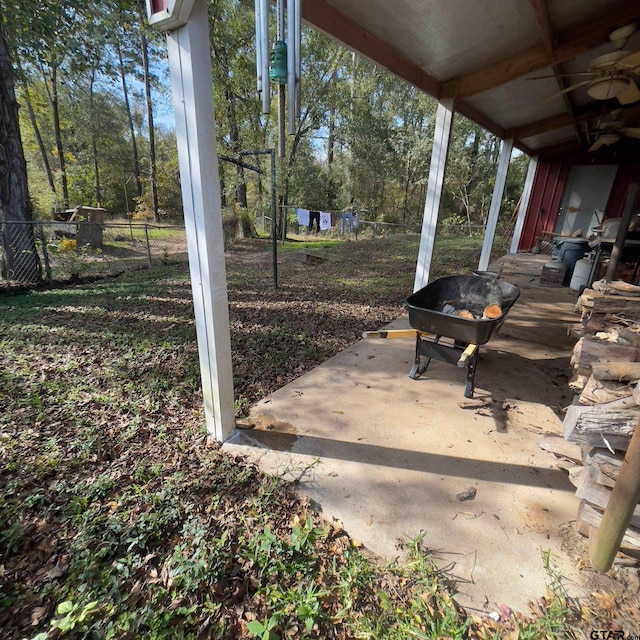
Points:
point(152, 137)
point(132, 129)
point(223, 188)
point(234, 135)
point(55, 106)
point(36, 132)
point(331, 141)
point(20, 260)
point(94, 141)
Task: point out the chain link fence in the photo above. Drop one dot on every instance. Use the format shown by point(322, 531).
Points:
point(32, 252)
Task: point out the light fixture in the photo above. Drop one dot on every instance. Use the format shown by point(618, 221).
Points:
point(606, 88)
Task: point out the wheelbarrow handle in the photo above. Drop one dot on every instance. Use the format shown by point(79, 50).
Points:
point(467, 354)
point(394, 333)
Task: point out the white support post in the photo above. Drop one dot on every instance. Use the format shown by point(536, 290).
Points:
point(524, 204)
point(441, 136)
point(192, 87)
point(496, 200)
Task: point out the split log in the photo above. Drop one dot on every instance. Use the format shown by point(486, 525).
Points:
point(561, 448)
point(606, 463)
point(599, 478)
point(589, 350)
point(596, 324)
point(577, 382)
point(610, 425)
point(603, 391)
point(590, 518)
point(616, 370)
point(609, 304)
point(598, 496)
point(628, 337)
point(575, 475)
point(625, 287)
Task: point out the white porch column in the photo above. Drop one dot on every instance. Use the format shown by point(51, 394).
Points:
point(496, 200)
point(441, 136)
point(192, 87)
point(524, 204)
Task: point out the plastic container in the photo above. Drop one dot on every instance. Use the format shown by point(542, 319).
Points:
point(580, 276)
point(553, 274)
point(569, 250)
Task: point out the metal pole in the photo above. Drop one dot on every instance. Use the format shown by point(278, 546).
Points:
point(45, 253)
point(264, 55)
point(281, 87)
point(291, 65)
point(271, 152)
point(146, 235)
point(621, 237)
point(274, 240)
point(126, 200)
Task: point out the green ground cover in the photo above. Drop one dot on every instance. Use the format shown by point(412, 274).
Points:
point(118, 519)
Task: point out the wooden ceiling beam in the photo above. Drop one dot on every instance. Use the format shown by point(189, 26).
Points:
point(592, 33)
point(555, 122)
point(541, 126)
point(325, 17)
point(545, 27)
point(543, 18)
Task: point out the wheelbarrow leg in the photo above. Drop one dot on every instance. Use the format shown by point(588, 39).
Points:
point(417, 370)
point(471, 374)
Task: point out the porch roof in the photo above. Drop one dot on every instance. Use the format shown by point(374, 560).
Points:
point(487, 54)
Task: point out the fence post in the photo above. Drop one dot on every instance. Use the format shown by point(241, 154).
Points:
point(146, 235)
point(45, 253)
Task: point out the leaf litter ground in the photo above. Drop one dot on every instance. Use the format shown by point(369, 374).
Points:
point(118, 519)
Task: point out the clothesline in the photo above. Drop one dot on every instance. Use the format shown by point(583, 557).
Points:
point(332, 211)
point(324, 220)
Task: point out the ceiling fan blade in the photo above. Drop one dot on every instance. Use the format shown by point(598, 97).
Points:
point(629, 62)
point(605, 139)
point(630, 95)
point(563, 75)
point(560, 93)
point(596, 145)
point(632, 132)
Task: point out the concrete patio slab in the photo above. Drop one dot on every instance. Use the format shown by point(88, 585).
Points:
point(390, 456)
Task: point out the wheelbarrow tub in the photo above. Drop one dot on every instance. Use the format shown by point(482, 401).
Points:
point(475, 292)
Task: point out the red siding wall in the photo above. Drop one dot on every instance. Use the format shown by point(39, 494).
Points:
point(548, 185)
point(551, 177)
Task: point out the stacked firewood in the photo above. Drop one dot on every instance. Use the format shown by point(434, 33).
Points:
point(606, 361)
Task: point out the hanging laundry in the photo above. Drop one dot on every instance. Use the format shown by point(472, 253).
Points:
point(325, 221)
point(303, 217)
point(355, 220)
point(314, 216)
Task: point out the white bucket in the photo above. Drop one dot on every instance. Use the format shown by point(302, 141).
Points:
point(580, 274)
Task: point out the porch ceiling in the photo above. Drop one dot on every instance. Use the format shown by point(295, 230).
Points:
point(484, 54)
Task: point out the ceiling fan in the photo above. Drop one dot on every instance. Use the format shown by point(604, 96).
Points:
point(612, 75)
point(611, 132)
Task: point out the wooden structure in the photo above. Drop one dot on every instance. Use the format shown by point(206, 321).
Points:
point(606, 361)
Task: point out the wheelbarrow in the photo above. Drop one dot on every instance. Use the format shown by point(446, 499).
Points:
point(463, 310)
